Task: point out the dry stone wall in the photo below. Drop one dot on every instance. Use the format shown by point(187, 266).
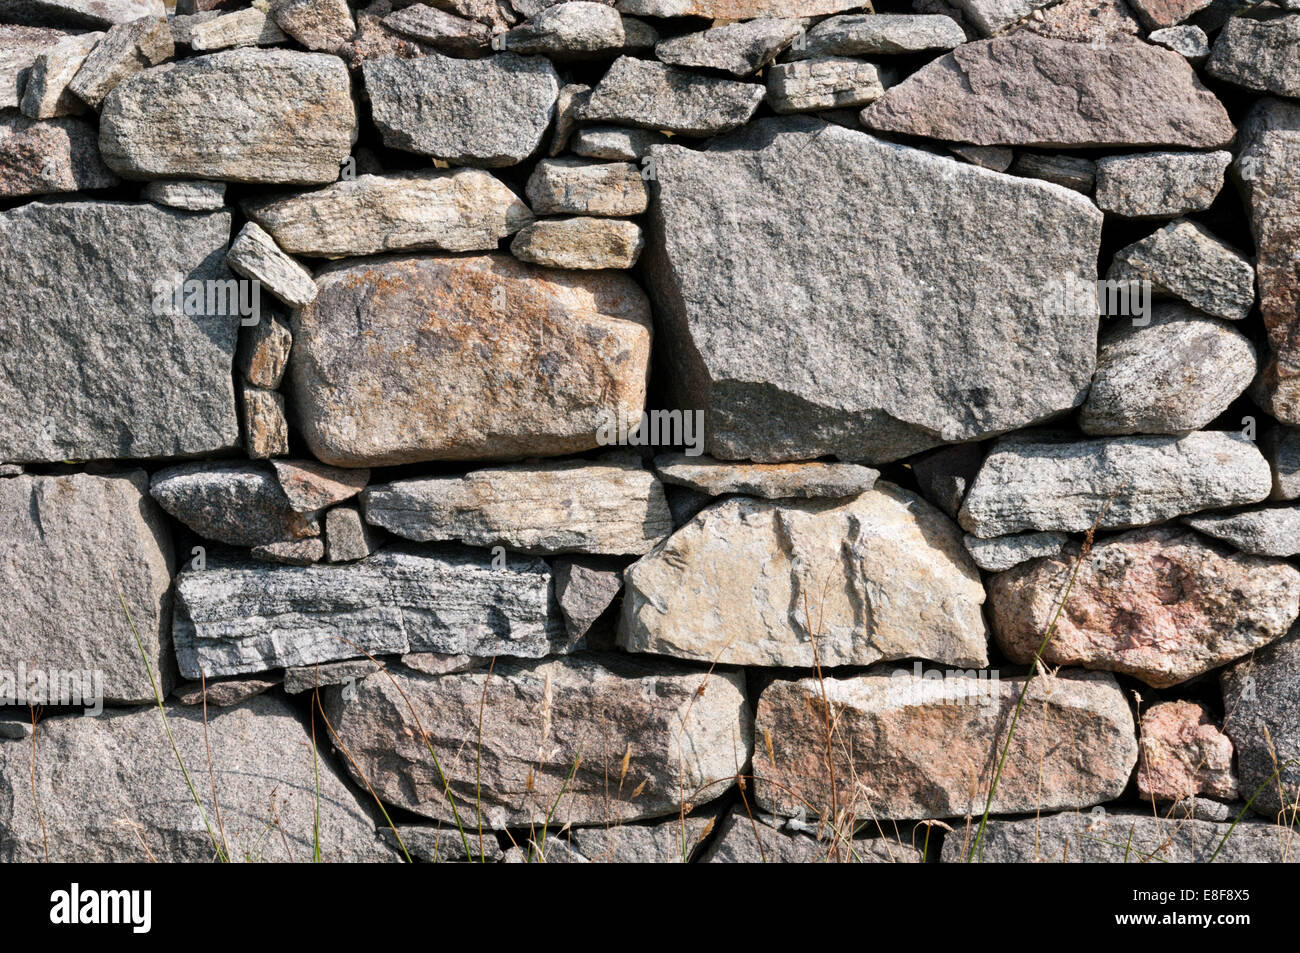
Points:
point(649, 431)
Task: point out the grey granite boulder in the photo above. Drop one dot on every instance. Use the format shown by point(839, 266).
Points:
point(584, 243)
point(78, 13)
point(1263, 531)
point(1187, 40)
point(1184, 260)
point(615, 142)
point(653, 95)
point(1160, 184)
point(236, 503)
point(999, 553)
point(1262, 55)
point(769, 480)
point(46, 93)
point(871, 34)
point(576, 29)
point(585, 586)
point(569, 186)
point(125, 50)
point(737, 48)
point(824, 82)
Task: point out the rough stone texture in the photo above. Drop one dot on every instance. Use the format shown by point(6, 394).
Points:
point(1262, 55)
point(1162, 605)
point(824, 82)
point(1184, 260)
point(323, 25)
point(769, 480)
point(800, 294)
point(652, 95)
point(407, 359)
point(347, 537)
point(261, 767)
point(266, 430)
point(614, 142)
point(1038, 482)
point(46, 93)
point(1266, 531)
point(192, 196)
point(662, 843)
point(1282, 447)
point(994, 16)
point(737, 48)
point(247, 27)
point(72, 549)
point(1261, 704)
point(585, 587)
point(96, 372)
point(572, 30)
point(224, 693)
point(1028, 90)
point(311, 486)
point(589, 244)
point(488, 112)
point(908, 747)
point(544, 508)
point(1183, 754)
point(1118, 837)
point(1071, 172)
point(20, 48)
point(442, 845)
point(871, 34)
point(575, 187)
point(440, 29)
point(255, 255)
point(222, 116)
point(42, 157)
point(944, 475)
point(78, 13)
point(743, 839)
point(1173, 375)
point(1188, 41)
point(125, 50)
point(1160, 184)
point(688, 733)
point(753, 582)
point(291, 552)
point(446, 210)
point(264, 351)
point(310, 677)
point(1003, 552)
point(1158, 14)
point(236, 503)
point(237, 618)
point(735, 9)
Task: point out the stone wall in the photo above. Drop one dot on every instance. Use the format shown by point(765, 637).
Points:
point(726, 430)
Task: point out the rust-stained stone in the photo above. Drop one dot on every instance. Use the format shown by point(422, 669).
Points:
point(313, 486)
point(266, 431)
point(403, 359)
point(42, 157)
point(1184, 754)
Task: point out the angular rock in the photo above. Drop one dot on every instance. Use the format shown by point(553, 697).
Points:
point(1003, 552)
point(125, 50)
point(662, 843)
point(913, 747)
point(1264, 531)
point(882, 575)
point(871, 34)
point(993, 16)
point(310, 677)
point(76, 548)
point(545, 508)
point(347, 537)
point(183, 25)
point(46, 93)
point(944, 475)
point(292, 552)
point(745, 840)
point(1034, 482)
point(1261, 702)
point(1028, 90)
point(99, 373)
point(1158, 14)
point(43, 157)
point(1162, 605)
point(588, 244)
point(820, 322)
point(652, 95)
point(1184, 260)
point(311, 486)
point(257, 757)
point(248, 27)
point(442, 209)
point(571, 30)
point(1160, 184)
point(585, 586)
point(20, 48)
point(255, 255)
point(1263, 55)
point(442, 845)
point(1172, 375)
point(323, 25)
point(688, 734)
point(375, 40)
point(488, 112)
point(823, 82)
point(79, 13)
point(614, 142)
point(736, 48)
point(440, 29)
point(1068, 171)
point(768, 480)
point(264, 352)
point(1183, 754)
point(1188, 41)
point(222, 116)
point(735, 9)
point(236, 503)
point(192, 196)
point(575, 187)
point(225, 693)
point(515, 361)
point(266, 431)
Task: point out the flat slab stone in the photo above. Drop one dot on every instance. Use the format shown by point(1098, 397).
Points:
point(873, 34)
point(737, 48)
point(78, 13)
point(1003, 552)
point(653, 95)
point(1184, 260)
point(20, 48)
point(1160, 184)
point(1264, 531)
point(586, 243)
point(768, 480)
point(240, 504)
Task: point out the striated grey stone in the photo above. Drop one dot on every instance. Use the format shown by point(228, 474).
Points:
point(488, 112)
point(311, 486)
point(1173, 375)
point(347, 537)
point(96, 372)
point(1263, 55)
point(440, 29)
point(585, 586)
point(1068, 171)
point(614, 142)
point(255, 255)
point(571, 30)
point(1261, 702)
point(46, 156)
point(1184, 260)
point(1265, 531)
point(1000, 553)
point(222, 116)
point(222, 693)
point(125, 50)
point(266, 429)
point(79, 13)
point(558, 507)
point(442, 844)
point(236, 503)
point(85, 558)
point(742, 839)
point(248, 27)
point(586, 244)
point(1160, 184)
point(737, 48)
point(46, 93)
point(575, 187)
point(769, 480)
point(264, 351)
point(871, 34)
point(308, 678)
point(1034, 482)
point(324, 25)
point(293, 552)
point(653, 95)
point(191, 196)
point(1281, 445)
point(1188, 41)
point(847, 324)
point(824, 82)
point(182, 25)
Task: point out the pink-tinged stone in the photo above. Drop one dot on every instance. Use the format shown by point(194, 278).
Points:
point(313, 486)
point(1183, 754)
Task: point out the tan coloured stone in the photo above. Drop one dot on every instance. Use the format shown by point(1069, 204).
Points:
point(266, 431)
point(578, 187)
point(587, 244)
point(1184, 754)
point(769, 480)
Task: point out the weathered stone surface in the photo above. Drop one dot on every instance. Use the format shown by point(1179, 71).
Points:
point(688, 733)
point(488, 112)
point(347, 537)
point(1158, 14)
point(1188, 41)
point(1160, 184)
point(871, 34)
point(570, 506)
point(1202, 809)
point(266, 430)
point(291, 552)
point(78, 13)
point(576, 187)
point(375, 40)
point(311, 486)
point(440, 29)
point(1261, 702)
point(585, 586)
point(769, 480)
point(1183, 754)
point(653, 95)
point(264, 351)
point(820, 322)
point(737, 48)
point(824, 82)
point(848, 582)
point(1003, 552)
point(1173, 375)
point(571, 30)
point(1038, 482)
point(993, 16)
point(46, 93)
point(1281, 445)
point(192, 196)
point(222, 693)
point(442, 845)
point(440, 209)
point(42, 157)
point(237, 618)
point(222, 116)
point(96, 371)
point(743, 839)
point(614, 142)
point(255, 255)
point(735, 9)
point(258, 757)
point(182, 25)
point(909, 747)
point(944, 475)
point(248, 27)
point(324, 25)
point(125, 50)
point(1264, 531)
point(1162, 605)
point(1120, 836)
point(72, 549)
point(1071, 172)
point(20, 47)
point(310, 677)
point(236, 503)
point(1184, 260)
point(1262, 55)
point(512, 360)
point(1268, 167)
point(663, 843)
point(589, 244)
point(1028, 90)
